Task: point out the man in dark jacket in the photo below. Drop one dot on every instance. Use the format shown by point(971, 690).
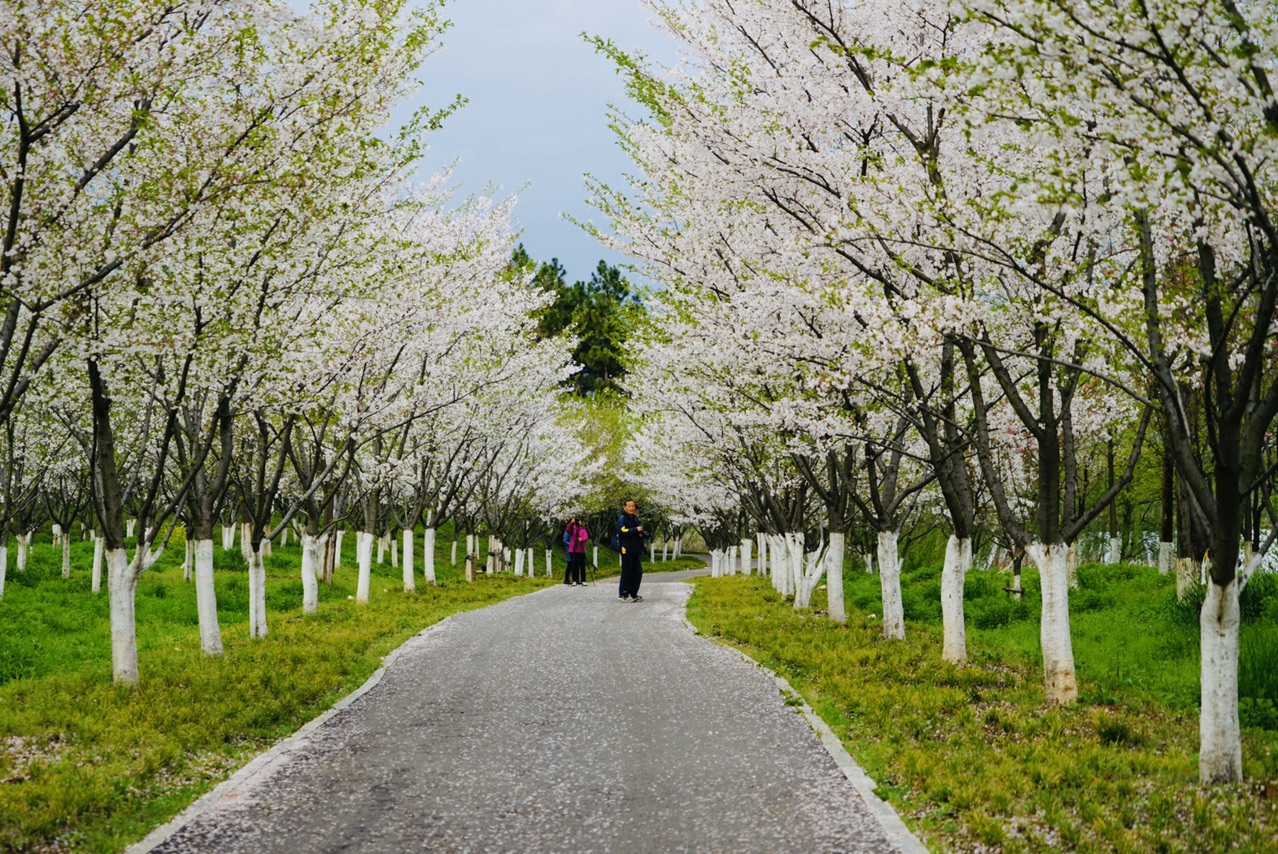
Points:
point(630, 537)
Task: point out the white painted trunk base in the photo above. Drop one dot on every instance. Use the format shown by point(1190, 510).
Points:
point(747, 562)
point(205, 596)
point(394, 552)
point(453, 561)
point(1220, 741)
point(837, 549)
point(4, 565)
point(549, 565)
point(129, 527)
point(124, 636)
point(868, 560)
point(1115, 551)
point(890, 585)
point(808, 572)
point(257, 593)
point(428, 555)
point(228, 538)
point(1187, 574)
point(519, 562)
point(66, 555)
point(1059, 678)
point(410, 583)
point(24, 544)
point(1165, 552)
point(1071, 565)
point(364, 560)
point(96, 577)
point(246, 540)
point(312, 548)
point(337, 551)
point(958, 560)
point(716, 563)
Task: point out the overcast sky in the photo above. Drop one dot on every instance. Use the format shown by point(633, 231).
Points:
point(537, 112)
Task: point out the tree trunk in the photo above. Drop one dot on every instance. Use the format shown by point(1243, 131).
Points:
point(890, 584)
point(1188, 572)
point(428, 555)
point(394, 552)
point(66, 555)
point(122, 587)
point(1115, 551)
point(1220, 742)
point(206, 597)
point(24, 543)
point(96, 578)
point(4, 564)
point(453, 561)
point(257, 592)
point(869, 563)
point(410, 583)
point(1165, 552)
point(228, 537)
point(549, 567)
point(337, 551)
point(1059, 678)
point(834, 576)
point(311, 552)
point(364, 543)
point(246, 540)
point(958, 560)
point(1071, 565)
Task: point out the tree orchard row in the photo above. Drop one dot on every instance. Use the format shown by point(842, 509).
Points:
point(225, 298)
point(936, 255)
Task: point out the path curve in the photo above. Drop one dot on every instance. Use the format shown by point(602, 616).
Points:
point(565, 720)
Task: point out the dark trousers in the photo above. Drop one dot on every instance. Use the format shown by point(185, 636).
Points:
point(631, 573)
point(576, 573)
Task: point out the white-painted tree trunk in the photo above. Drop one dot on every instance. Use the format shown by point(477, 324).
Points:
point(337, 551)
point(284, 538)
point(428, 554)
point(470, 567)
point(364, 559)
point(394, 552)
point(312, 549)
point(201, 553)
point(1165, 552)
point(188, 560)
point(868, 560)
point(246, 540)
point(1220, 742)
point(811, 568)
point(958, 560)
point(763, 552)
point(834, 577)
point(4, 565)
point(96, 577)
point(66, 555)
point(410, 582)
point(1071, 565)
point(470, 544)
point(778, 561)
point(129, 527)
point(490, 566)
point(549, 566)
point(257, 593)
point(519, 562)
point(1059, 678)
point(122, 585)
point(24, 544)
point(1187, 573)
point(890, 584)
point(716, 563)
point(266, 542)
point(747, 562)
point(1115, 551)
point(228, 538)
point(595, 556)
point(652, 551)
point(453, 561)
point(665, 550)
point(381, 550)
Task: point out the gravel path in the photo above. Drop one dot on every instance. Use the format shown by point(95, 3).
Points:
point(561, 721)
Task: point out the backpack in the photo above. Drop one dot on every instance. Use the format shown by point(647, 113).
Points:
point(567, 538)
point(614, 542)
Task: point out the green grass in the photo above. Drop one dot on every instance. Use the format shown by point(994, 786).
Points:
point(971, 757)
point(88, 765)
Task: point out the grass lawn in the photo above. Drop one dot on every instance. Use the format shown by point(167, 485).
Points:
point(971, 757)
point(88, 765)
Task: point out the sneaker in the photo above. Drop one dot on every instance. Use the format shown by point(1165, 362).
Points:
point(636, 598)
point(625, 598)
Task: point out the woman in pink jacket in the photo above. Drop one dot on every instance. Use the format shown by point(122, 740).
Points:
point(577, 537)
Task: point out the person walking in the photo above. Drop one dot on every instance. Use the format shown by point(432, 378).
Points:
point(630, 536)
point(577, 538)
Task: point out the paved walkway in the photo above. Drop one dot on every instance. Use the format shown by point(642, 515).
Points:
point(561, 721)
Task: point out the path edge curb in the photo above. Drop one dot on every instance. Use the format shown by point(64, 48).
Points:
point(210, 799)
point(883, 812)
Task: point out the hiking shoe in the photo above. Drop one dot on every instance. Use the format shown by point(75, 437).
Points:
point(625, 598)
point(636, 598)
